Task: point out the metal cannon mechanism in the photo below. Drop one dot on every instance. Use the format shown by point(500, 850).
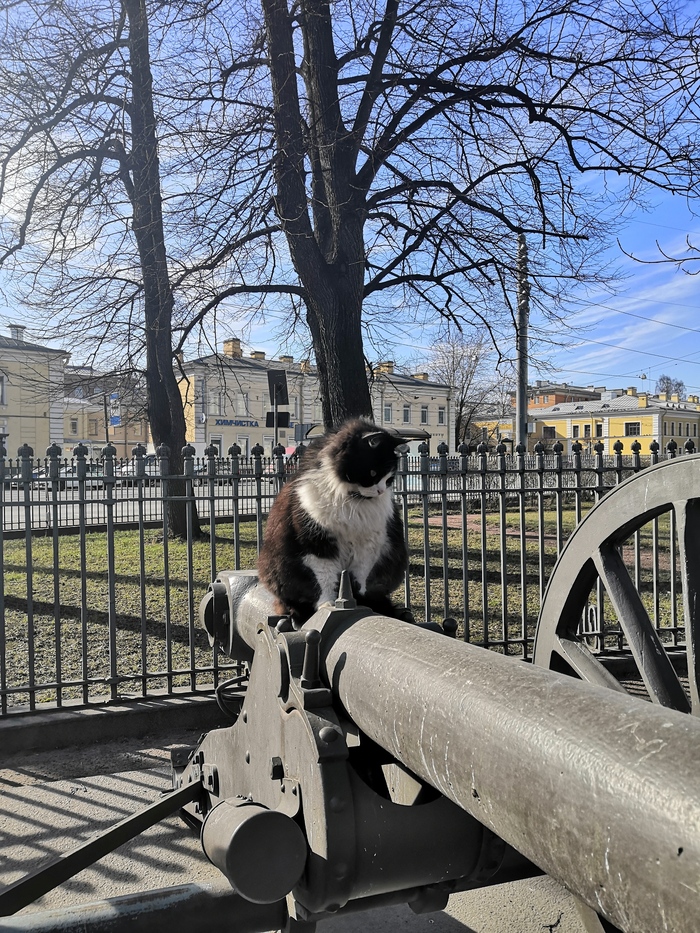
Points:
point(375, 761)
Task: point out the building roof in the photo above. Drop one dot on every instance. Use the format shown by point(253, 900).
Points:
point(11, 343)
point(622, 403)
point(255, 365)
point(563, 388)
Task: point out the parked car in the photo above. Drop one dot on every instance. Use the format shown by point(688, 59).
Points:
point(125, 473)
point(68, 477)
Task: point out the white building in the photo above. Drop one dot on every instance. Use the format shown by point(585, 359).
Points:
point(227, 398)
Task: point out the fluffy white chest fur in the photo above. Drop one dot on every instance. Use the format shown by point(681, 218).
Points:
point(357, 523)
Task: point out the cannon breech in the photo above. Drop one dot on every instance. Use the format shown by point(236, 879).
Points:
point(368, 724)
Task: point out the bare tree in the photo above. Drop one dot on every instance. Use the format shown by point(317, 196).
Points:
point(467, 364)
point(670, 386)
point(80, 180)
point(393, 153)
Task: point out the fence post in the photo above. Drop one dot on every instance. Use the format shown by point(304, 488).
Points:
point(671, 449)
point(211, 453)
point(3, 664)
point(424, 466)
point(618, 447)
point(26, 455)
point(463, 451)
point(689, 446)
point(234, 453)
point(443, 450)
point(636, 461)
point(654, 448)
point(558, 470)
point(139, 453)
point(257, 453)
point(109, 453)
point(576, 449)
point(278, 473)
point(600, 468)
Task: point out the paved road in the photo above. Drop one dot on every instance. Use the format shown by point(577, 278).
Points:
point(51, 801)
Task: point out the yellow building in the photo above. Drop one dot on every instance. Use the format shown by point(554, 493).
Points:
point(31, 393)
point(626, 417)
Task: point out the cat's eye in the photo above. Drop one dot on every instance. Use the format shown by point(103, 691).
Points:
point(372, 472)
point(390, 480)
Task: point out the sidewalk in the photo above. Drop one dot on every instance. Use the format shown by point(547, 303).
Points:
point(51, 801)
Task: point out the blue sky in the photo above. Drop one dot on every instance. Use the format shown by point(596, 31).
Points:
point(651, 325)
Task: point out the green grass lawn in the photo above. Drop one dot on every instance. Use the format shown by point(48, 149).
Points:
point(496, 611)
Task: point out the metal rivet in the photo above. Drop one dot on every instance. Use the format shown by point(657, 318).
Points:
point(328, 734)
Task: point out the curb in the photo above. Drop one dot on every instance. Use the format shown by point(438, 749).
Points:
point(66, 728)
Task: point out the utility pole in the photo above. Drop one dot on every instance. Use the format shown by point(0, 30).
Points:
point(521, 342)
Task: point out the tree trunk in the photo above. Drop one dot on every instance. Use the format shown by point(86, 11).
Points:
point(329, 257)
point(164, 403)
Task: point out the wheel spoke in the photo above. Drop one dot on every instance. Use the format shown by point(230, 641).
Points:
point(688, 522)
point(585, 664)
point(654, 664)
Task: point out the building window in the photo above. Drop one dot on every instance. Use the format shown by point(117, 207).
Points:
point(242, 404)
point(586, 430)
point(74, 426)
point(575, 431)
point(545, 399)
point(633, 429)
point(665, 428)
point(441, 414)
point(3, 400)
point(388, 412)
point(216, 404)
point(673, 428)
point(599, 429)
point(93, 427)
point(549, 432)
point(406, 414)
point(687, 429)
point(424, 414)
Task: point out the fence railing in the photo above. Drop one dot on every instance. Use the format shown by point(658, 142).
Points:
point(99, 603)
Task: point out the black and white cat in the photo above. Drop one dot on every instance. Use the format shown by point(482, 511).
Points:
point(338, 513)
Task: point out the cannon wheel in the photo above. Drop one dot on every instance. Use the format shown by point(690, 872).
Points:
point(591, 556)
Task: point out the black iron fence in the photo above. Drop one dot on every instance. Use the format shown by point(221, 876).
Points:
point(98, 602)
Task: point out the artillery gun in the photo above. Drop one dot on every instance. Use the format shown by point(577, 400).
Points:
point(375, 761)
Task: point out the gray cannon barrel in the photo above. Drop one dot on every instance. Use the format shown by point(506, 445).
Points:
point(601, 790)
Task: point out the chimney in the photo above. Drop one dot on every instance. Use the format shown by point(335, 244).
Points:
point(675, 397)
point(632, 390)
point(385, 366)
point(17, 331)
point(662, 397)
point(305, 366)
point(232, 347)
point(287, 359)
point(422, 376)
point(643, 400)
point(257, 354)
